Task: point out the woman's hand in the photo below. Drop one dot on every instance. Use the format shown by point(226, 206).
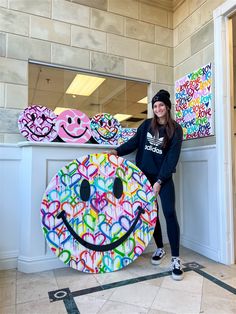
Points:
point(113, 152)
point(156, 188)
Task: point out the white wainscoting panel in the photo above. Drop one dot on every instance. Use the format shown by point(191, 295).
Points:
point(197, 200)
point(10, 157)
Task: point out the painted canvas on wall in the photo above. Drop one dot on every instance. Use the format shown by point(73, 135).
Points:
point(98, 213)
point(193, 103)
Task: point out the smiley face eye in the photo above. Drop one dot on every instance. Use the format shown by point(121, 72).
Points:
point(69, 120)
point(118, 188)
point(43, 117)
point(109, 122)
point(101, 123)
point(85, 190)
point(78, 120)
point(33, 117)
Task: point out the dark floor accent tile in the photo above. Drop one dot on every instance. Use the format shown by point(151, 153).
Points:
point(216, 281)
point(193, 265)
point(58, 295)
point(71, 306)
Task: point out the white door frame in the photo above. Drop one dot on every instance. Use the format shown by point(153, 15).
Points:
point(223, 129)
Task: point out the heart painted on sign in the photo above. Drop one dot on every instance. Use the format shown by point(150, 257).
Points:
point(110, 231)
point(112, 264)
point(125, 222)
point(50, 207)
point(98, 204)
point(99, 239)
point(139, 177)
point(126, 248)
point(89, 258)
point(71, 168)
point(59, 196)
point(53, 239)
point(114, 160)
point(142, 195)
point(50, 221)
point(89, 221)
point(104, 184)
point(88, 171)
point(65, 256)
point(150, 216)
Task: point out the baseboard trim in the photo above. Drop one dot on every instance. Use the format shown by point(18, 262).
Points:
point(39, 263)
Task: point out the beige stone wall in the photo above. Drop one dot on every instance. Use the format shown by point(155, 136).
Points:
point(194, 43)
point(127, 37)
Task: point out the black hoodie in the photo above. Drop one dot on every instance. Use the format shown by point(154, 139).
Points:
point(155, 161)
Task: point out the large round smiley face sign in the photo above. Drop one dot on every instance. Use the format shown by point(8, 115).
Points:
point(105, 128)
point(73, 126)
point(38, 124)
point(98, 213)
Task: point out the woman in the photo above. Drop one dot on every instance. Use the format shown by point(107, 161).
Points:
point(158, 142)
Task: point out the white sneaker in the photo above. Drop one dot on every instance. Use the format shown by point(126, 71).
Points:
point(158, 256)
point(176, 268)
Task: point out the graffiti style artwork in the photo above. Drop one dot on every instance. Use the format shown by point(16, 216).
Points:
point(98, 213)
point(73, 126)
point(38, 124)
point(194, 103)
point(126, 134)
point(105, 129)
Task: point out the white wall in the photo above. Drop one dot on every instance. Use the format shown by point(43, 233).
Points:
point(10, 214)
point(197, 201)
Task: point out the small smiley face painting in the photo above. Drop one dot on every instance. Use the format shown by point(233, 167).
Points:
point(38, 124)
point(126, 134)
point(73, 126)
point(98, 213)
point(105, 129)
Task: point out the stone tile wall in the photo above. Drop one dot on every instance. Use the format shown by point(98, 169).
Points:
point(128, 38)
point(193, 44)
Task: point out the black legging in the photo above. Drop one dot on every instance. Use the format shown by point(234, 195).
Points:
point(167, 196)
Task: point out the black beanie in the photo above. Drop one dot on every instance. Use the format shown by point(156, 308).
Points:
point(163, 96)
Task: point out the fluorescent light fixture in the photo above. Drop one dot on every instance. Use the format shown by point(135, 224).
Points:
point(143, 100)
point(84, 85)
point(58, 110)
point(121, 117)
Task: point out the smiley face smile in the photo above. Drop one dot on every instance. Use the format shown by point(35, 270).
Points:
point(101, 248)
point(74, 136)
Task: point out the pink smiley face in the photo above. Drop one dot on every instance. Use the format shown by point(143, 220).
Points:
point(73, 126)
point(38, 124)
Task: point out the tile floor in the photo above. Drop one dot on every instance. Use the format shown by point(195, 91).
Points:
point(140, 288)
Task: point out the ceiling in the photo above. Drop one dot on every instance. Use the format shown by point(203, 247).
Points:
point(47, 86)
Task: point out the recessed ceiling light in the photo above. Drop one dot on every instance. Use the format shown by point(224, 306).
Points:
point(84, 85)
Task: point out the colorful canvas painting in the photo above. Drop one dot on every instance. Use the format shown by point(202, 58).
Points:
point(73, 126)
point(38, 124)
point(98, 213)
point(193, 109)
point(126, 134)
point(105, 129)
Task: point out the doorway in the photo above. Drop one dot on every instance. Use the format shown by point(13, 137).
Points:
point(224, 119)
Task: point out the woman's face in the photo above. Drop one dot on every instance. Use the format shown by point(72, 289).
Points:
point(160, 110)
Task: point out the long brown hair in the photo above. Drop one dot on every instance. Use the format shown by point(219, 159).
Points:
point(169, 127)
